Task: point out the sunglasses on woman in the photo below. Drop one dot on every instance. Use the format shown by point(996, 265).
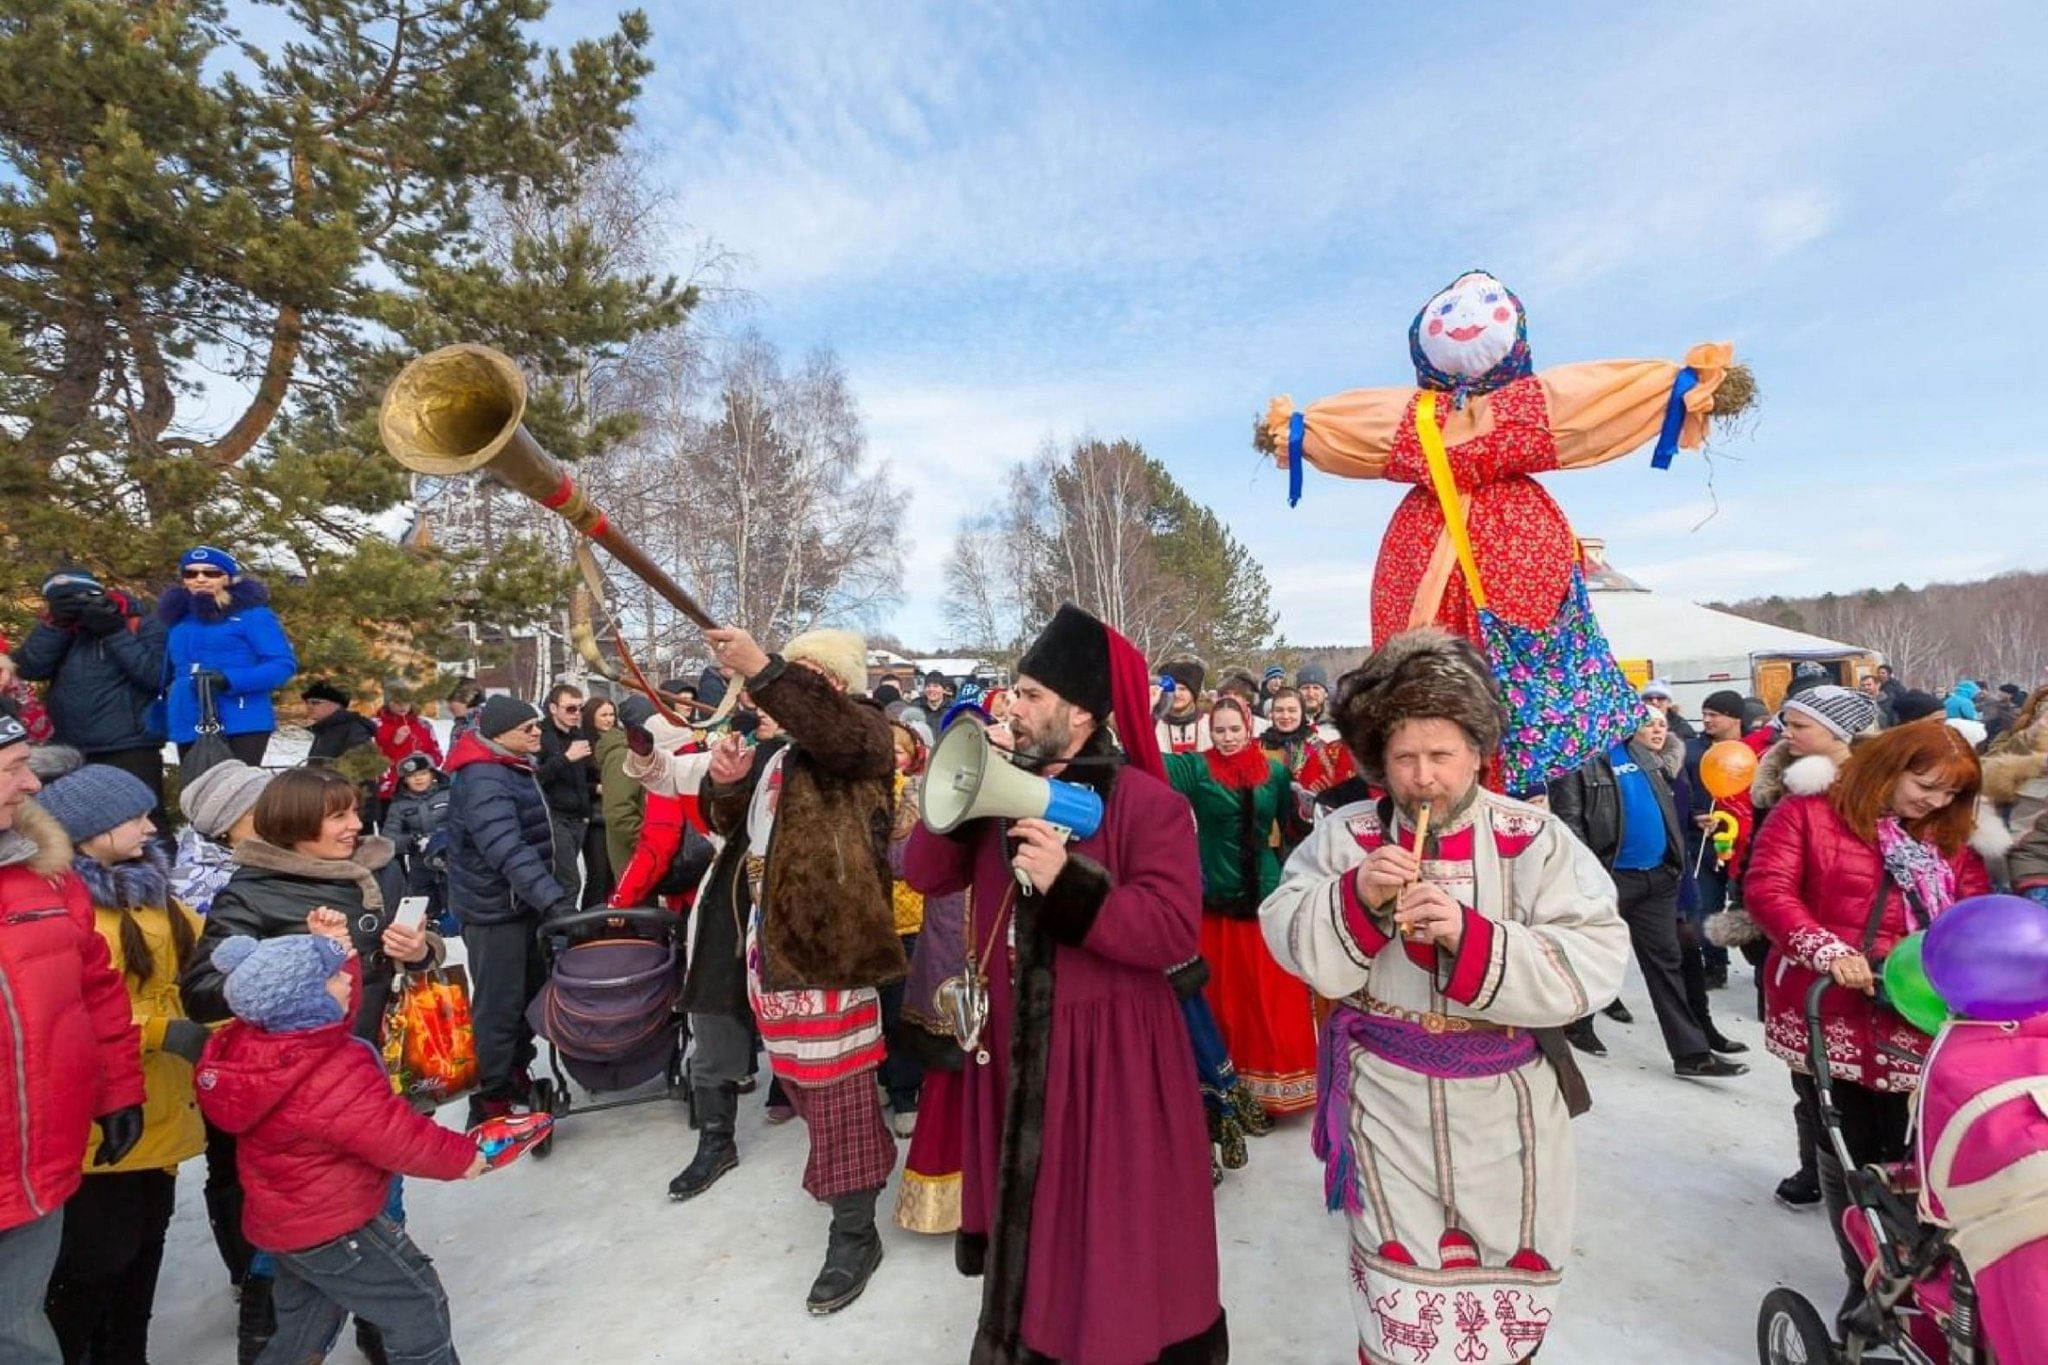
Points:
point(204, 573)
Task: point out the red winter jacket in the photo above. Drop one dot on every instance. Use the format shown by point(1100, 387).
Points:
point(398, 736)
point(67, 1037)
point(320, 1132)
point(1812, 885)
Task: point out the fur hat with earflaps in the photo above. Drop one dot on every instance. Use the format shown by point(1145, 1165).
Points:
point(1423, 674)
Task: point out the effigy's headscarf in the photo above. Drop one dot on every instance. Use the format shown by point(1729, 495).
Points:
point(1492, 353)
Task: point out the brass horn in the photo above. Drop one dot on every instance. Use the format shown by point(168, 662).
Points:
point(460, 409)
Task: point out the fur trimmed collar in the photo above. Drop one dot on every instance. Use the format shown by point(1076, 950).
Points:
point(37, 842)
point(1989, 836)
point(373, 851)
point(140, 884)
point(1099, 776)
point(178, 603)
point(1779, 775)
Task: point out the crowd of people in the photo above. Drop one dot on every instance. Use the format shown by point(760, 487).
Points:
point(1307, 907)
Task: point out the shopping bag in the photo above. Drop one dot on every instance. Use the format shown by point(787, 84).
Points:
point(429, 1038)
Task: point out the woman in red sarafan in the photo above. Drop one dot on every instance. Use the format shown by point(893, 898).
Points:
point(1836, 879)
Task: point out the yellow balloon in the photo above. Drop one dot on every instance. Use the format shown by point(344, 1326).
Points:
point(1727, 768)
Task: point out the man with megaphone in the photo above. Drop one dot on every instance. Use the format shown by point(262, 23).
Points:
point(1085, 1195)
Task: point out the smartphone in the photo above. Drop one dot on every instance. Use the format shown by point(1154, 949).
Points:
point(412, 912)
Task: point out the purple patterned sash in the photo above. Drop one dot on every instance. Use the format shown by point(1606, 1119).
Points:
point(1446, 1056)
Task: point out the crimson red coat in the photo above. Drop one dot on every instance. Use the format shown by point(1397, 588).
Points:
point(398, 736)
point(319, 1129)
point(67, 1036)
point(1813, 886)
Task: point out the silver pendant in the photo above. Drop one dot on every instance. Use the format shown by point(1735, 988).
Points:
point(963, 1001)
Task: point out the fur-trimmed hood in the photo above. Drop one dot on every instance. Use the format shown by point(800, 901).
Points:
point(2012, 768)
point(1779, 775)
point(178, 602)
point(37, 841)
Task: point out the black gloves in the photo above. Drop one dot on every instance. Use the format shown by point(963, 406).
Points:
point(213, 680)
point(183, 1038)
point(101, 615)
point(119, 1132)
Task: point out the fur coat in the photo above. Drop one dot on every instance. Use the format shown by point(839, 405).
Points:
point(829, 919)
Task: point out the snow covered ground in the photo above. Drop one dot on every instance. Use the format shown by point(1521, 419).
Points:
point(581, 1257)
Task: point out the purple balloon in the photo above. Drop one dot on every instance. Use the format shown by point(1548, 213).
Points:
point(1988, 956)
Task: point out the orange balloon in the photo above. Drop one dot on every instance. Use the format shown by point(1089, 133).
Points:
point(1727, 768)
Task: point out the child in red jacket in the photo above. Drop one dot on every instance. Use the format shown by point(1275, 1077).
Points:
point(321, 1135)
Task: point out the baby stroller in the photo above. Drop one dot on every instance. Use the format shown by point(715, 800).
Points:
point(608, 1010)
point(1920, 1303)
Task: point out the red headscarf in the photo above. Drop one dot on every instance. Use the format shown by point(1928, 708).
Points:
point(1246, 770)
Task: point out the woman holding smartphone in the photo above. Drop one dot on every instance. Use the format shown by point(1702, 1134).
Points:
point(310, 853)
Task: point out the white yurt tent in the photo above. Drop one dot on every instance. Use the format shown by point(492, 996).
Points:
point(1698, 650)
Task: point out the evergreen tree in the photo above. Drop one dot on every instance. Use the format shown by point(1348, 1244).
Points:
point(216, 250)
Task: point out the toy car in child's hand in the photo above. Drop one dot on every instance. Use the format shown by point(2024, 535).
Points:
point(503, 1140)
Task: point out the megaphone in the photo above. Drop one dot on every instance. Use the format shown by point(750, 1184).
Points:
point(970, 779)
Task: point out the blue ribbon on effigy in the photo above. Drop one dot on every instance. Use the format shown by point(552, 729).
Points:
point(1297, 427)
point(1674, 418)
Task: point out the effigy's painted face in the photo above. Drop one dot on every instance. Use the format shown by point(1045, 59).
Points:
point(1470, 327)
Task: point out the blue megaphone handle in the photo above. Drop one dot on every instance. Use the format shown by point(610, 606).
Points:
point(1072, 807)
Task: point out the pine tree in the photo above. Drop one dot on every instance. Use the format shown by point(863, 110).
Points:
point(217, 251)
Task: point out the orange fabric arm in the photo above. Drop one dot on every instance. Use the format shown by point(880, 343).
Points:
point(1349, 434)
point(1603, 409)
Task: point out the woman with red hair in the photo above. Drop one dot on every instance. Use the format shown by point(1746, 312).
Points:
point(1835, 880)
point(1241, 795)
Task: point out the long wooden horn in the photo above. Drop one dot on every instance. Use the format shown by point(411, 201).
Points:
point(460, 409)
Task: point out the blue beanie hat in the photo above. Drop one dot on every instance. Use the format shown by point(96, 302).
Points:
point(94, 799)
point(280, 984)
point(212, 555)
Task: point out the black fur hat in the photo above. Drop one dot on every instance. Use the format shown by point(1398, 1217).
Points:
point(1071, 656)
point(1424, 674)
point(1187, 674)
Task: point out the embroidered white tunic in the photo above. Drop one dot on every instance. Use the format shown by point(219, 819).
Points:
point(1457, 1158)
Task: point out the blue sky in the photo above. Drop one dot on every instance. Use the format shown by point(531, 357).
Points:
point(1019, 222)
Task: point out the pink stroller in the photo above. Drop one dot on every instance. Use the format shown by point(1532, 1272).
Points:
point(1956, 1264)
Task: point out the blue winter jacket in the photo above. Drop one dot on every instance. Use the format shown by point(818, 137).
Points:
point(500, 840)
point(101, 687)
point(1962, 702)
point(243, 642)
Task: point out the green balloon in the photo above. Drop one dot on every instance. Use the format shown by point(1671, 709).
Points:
point(1910, 992)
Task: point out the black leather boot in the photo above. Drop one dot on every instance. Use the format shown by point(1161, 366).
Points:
point(224, 1214)
point(717, 1108)
point(257, 1323)
point(851, 1253)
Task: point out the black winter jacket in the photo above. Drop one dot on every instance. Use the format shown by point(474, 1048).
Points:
point(101, 687)
point(271, 893)
point(501, 843)
point(1589, 802)
point(564, 785)
point(339, 733)
point(412, 816)
point(716, 982)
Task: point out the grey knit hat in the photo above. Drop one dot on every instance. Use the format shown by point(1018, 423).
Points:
point(1846, 713)
point(95, 799)
point(222, 795)
point(1312, 675)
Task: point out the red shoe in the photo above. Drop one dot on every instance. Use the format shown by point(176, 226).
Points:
point(504, 1139)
